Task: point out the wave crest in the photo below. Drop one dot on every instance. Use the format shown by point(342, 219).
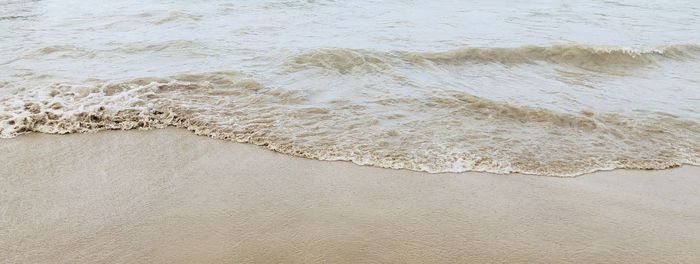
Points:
point(593, 58)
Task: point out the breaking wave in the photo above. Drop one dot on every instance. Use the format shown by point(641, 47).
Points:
point(447, 131)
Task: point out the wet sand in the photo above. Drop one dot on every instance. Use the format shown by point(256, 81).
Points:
point(168, 196)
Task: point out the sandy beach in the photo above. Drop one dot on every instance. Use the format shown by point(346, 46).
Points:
point(168, 196)
point(362, 131)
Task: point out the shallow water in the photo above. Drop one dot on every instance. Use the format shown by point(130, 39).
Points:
point(500, 86)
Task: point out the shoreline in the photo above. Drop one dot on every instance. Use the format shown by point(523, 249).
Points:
point(167, 195)
point(265, 147)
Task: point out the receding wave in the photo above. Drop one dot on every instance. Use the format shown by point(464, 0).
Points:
point(593, 58)
point(447, 131)
point(64, 51)
point(170, 48)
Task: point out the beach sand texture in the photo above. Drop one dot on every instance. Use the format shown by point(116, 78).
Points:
point(168, 196)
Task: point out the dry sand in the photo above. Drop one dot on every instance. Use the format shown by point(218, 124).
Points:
point(168, 196)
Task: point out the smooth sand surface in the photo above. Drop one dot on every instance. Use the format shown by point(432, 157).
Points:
point(168, 196)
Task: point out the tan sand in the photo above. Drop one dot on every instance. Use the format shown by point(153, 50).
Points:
point(168, 196)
